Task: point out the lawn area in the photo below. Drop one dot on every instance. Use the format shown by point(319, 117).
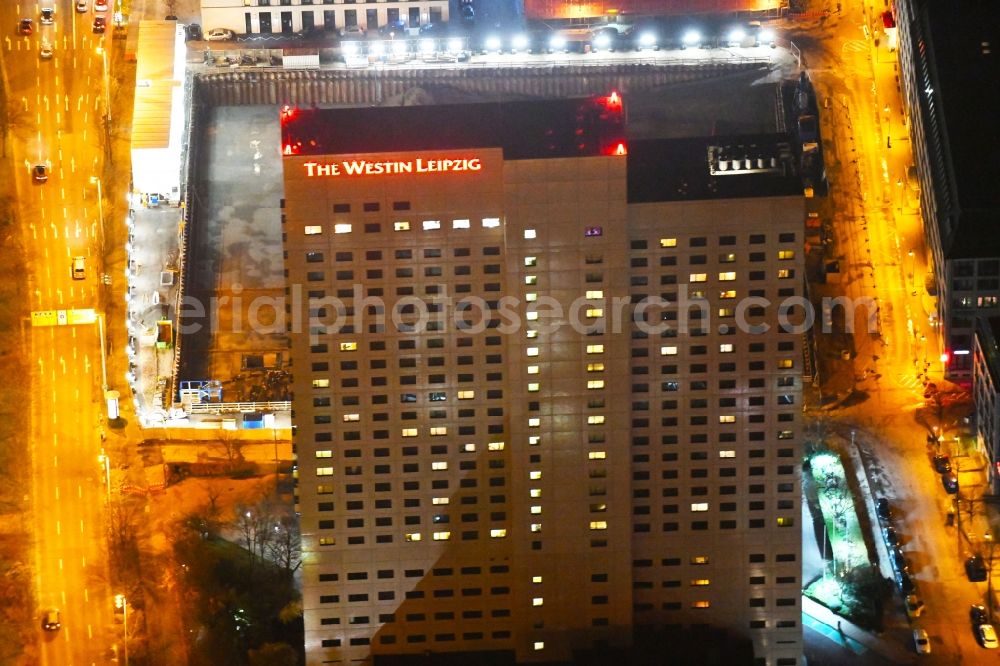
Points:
point(846, 542)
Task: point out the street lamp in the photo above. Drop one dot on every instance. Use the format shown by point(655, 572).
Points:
point(989, 577)
point(121, 602)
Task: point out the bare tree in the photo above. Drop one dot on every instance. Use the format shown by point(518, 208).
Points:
point(255, 526)
point(284, 545)
point(14, 119)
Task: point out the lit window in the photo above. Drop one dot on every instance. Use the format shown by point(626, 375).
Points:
point(727, 453)
point(786, 363)
point(440, 500)
point(531, 315)
point(321, 383)
point(595, 384)
point(727, 258)
point(598, 524)
point(439, 465)
point(531, 297)
point(532, 369)
point(597, 455)
point(727, 418)
point(466, 395)
point(530, 279)
point(786, 522)
point(534, 422)
point(538, 645)
point(441, 536)
point(668, 242)
point(727, 276)
point(459, 224)
point(668, 351)
point(498, 533)
point(595, 419)
point(537, 601)
point(728, 293)
point(595, 349)
point(700, 582)
point(531, 351)
point(533, 387)
point(697, 277)
point(430, 225)
point(327, 541)
point(535, 509)
point(439, 430)
point(536, 579)
point(535, 493)
point(785, 273)
point(595, 312)
point(495, 446)
point(468, 447)
point(726, 347)
point(533, 440)
point(531, 334)
point(324, 471)
point(786, 254)
point(400, 226)
point(699, 506)
point(327, 453)
point(725, 312)
point(536, 527)
point(531, 261)
point(351, 417)
point(598, 508)
point(529, 233)
point(595, 367)
point(491, 222)
point(699, 559)
point(412, 536)
point(534, 474)
point(342, 228)
point(409, 432)
point(313, 229)
point(595, 294)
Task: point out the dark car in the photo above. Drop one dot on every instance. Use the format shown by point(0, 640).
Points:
point(883, 509)
point(50, 621)
point(468, 13)
point(193, 32)
point(942, 463)
point(24, 26)
point(891, 536)
point(977, 614)
point(950, 483)
point(100, 23)
point(393, 29)
point(39, 173)
point(975, 569)
point(906, 584)
point(899, 562)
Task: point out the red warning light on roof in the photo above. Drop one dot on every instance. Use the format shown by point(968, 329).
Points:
point(614, 99)
point(620, 149)
point(287, 113)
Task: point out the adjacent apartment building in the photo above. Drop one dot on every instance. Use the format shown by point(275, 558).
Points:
point(986, 393)
point(290, 16)
point(543, 399)
point(949, 72)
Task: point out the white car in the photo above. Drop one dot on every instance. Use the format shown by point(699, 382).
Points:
point(987, 636)
point(100, 5)
point(921, 641)
point(82, 5)
point(45, 51)
point(219, 35)
point(78, 269)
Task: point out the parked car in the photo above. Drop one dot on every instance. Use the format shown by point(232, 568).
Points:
point(921, 641)
point(987, 636)
point(975, 569)
point(898, 561)
point(950, 483)
point(977, 613)
point(352, 32)
point(942, 463)
point(393, 29)
point(193, 32)
point(25, 26)
point(891, 536)
point(906, 584)
point(883, 509)
point(914, 606)
point(219, 35)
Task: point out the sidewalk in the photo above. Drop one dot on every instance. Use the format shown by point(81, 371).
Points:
point(822, 619)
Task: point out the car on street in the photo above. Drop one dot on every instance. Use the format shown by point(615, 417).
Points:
point(942, 463)
point(914, 606)
point(883, 509)
point(48, 15)
point(77, 268)
point(352, 32)
point(393, 29)
point(100, 5)
point(219, 35)
point(25, 26)
point(906, 584)
point(45, 51)
point(82, 5)
point(100, 24)
point(921, 641)
point(898, 561)
point(987, 636)
point(950, 483)
point(50, 621)
point(977, 613)
point(975, 569)
point(891, 536)
point(39, 173)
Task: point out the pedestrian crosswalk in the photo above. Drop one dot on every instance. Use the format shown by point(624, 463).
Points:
point(854, 46)
point(909, 381)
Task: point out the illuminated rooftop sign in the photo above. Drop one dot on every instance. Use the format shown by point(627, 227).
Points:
point(391, 167)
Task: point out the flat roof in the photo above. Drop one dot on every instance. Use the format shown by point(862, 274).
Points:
point(716, 167)
point(154, 83)
point(965, 45)
point(524, 130)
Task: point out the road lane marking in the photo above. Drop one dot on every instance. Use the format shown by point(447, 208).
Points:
point(90, 632)
point(79, 492)
point(86, 592)
point(81, 525)
point(57, 493)
point(60, 559)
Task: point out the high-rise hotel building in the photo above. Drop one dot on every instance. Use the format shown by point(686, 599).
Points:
point(543, 400)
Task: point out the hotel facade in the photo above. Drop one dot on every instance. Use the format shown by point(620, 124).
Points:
point(542, 398)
